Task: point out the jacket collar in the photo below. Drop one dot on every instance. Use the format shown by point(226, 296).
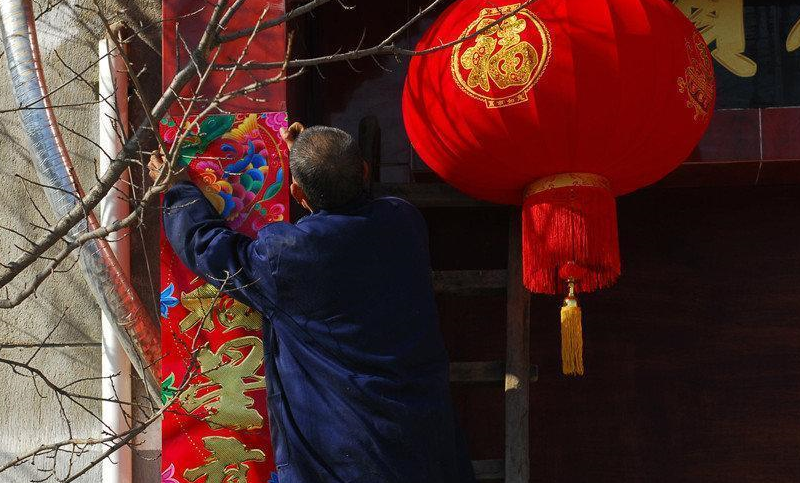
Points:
point(348, 208)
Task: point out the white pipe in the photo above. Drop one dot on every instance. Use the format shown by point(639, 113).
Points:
point(116, 367)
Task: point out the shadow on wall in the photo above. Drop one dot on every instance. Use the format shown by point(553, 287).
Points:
point(67, 292)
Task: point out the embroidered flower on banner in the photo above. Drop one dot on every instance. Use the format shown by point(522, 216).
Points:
point(168, 474)
point(168, 389)
point(167, 300)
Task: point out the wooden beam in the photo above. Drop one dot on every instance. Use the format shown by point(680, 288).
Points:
point(469, 282)
point(488, 469)
point(428, 195)
point(475, 372)
point(517, 379)
point(483, 372)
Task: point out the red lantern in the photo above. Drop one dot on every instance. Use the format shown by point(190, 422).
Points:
point(560, 106)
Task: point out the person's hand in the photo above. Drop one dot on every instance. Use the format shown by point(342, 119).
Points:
point(290, 134)
point(157, 165)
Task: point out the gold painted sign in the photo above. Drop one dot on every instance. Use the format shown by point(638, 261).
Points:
point(721, 22)
point(504, 60)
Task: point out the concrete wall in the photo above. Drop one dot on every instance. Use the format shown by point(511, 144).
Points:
point(31, 416)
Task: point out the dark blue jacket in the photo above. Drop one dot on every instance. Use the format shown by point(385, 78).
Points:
point(356, 367)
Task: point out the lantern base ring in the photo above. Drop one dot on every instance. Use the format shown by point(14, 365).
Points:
point(567, 180)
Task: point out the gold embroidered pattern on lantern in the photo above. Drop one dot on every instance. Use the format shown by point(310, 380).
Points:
point(567, 180)
point(698, 83)
point(502, 63)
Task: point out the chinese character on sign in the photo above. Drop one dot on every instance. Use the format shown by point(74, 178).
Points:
point(793, 40)
point(230, 372)
point(227, 462)
point(721, 22)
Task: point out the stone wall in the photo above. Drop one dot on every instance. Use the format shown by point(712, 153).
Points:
point(63, 314)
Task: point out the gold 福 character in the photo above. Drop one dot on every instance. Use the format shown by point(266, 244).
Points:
point(512, 65)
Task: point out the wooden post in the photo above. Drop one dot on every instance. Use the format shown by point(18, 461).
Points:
point(369, 141)
point(517, 380)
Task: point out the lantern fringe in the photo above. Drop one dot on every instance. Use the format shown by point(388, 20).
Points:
point(573, 226)
point(571, 339)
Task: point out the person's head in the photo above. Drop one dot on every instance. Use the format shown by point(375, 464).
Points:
point(328, 170)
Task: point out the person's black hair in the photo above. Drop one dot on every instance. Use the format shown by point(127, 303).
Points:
point(328, 165)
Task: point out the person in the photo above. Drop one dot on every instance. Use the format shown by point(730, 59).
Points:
point(358, 384)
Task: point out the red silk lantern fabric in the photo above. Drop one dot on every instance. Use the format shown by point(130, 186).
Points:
point(595, 97)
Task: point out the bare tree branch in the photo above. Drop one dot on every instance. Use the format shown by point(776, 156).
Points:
point(49, 252)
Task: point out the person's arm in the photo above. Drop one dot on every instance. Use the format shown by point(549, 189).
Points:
point(228, 260)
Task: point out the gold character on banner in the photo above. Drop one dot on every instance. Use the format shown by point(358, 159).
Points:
point(721, 22)
point(501, 64)
point(231, 371)
point(227, 462)
point(205, 305)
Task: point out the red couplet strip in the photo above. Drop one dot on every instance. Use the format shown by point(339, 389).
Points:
point(184, 24)
point(217, 427)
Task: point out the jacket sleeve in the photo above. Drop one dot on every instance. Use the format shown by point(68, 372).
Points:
point(232, 262)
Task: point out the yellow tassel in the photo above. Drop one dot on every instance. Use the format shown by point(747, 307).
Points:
point(571, 336)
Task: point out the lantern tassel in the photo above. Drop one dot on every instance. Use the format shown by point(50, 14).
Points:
point(571, 335)
point(569, 219)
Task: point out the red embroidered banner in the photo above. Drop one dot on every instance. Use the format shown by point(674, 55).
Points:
point(217, 428)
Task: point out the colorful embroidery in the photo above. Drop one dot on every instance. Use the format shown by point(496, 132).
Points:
point(167, 300)
point(238, 161)
point(167, 475)
point(217, 429)
point(168, 389)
